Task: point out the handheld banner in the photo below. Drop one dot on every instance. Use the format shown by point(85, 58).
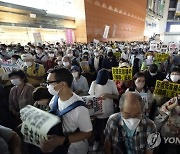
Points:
point(9, 68)
point(94, 105)
point(167, 89)
point(122, 74)
point(85, 66)
point(36, 124)
point(161, 57)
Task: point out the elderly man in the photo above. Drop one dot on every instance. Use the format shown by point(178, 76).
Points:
point(127, 131)
point(35, 72)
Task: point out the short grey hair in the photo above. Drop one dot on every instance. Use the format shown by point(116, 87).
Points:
point(124, 96)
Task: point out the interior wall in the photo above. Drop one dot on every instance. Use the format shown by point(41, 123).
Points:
point(126, 19)
point(10, 34)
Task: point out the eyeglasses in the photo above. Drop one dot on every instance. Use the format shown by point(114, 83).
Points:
point(50, 82)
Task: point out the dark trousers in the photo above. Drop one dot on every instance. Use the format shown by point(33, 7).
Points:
point(99, 126)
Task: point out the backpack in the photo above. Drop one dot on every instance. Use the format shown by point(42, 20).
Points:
point(36, 68)
point(58, 130)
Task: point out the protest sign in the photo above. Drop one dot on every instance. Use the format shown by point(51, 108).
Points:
point(36, 124)
point(20, 63)
point(122, 73)
point(94, 105)
point(161, 57)
point(106, 32)
point(167, 89)
point(153, 46)
point(9, 68)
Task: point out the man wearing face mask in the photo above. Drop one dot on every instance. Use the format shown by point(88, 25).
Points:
point(35, 72)
point(127, 131)
point(151, 75)
point(110, 61)
point(50, 63)
point(96, 62)
point(80, 85)
point(72, 57)
point(59, 83)
point(66, 61)
point(40, 57)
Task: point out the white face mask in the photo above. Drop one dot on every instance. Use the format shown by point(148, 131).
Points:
point(38, 52)
point(140, 85)
point(70, 55)
point(52, 91)
point(75, 74)
point(51, 55)
point(153, 74)
point(28, 64)
point(149, 57)
point(132, 123)
point(16, 82)
point(175, 78)
point(59, 63)
point(96, 54)
point(66, 64)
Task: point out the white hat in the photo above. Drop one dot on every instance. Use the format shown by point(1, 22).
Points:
point(124, 64)
point(26, 56)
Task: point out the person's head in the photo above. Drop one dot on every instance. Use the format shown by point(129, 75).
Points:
point(131, 107)
point(75, 70)
point(66, 61)
point(59, 60)
point(139, 80)
point(51, 55)
point(41, 95)
point(102, 77)
point(153, 69)
point(175, 74)
point(39, 49)
point(59, 80)
point(27, 59)
point(70, 53)
point(124, 65)
point(150, 56)
point(110, 54)
point(96, 53)
point(17, 77)
point(14, 59)
point(84, 58)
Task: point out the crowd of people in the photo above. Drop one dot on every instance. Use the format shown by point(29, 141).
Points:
point(71, 71)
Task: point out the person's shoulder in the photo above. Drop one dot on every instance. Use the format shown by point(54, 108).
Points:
point(115, 117)
point(149, 123)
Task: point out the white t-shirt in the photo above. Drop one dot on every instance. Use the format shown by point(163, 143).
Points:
point(96, 63)
point(77, 118)
point(98, 90)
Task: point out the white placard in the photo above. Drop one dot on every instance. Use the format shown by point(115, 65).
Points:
point(9, 68)
point(36, 124)
point(20, 63)
point(153, 46)
point(106, 32)
point(94, 105)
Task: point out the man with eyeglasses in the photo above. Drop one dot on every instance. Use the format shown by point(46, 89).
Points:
point(59, 82)
point(126, 132)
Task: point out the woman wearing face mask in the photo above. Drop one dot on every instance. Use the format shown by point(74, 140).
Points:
point(139, 86)
point(172, 127)
point(50, 63)
point(21, 94)
point(174, 76)
point(80, 85)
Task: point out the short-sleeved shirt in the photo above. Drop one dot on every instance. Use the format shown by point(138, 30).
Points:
point(5, 136)
point(98, 90)
point(77, 118)
point(81, 85)
point(115, 125)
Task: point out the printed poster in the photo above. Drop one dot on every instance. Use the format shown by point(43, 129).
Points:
point(106, 32)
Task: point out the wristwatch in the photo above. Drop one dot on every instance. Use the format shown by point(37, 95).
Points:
point(66, 141)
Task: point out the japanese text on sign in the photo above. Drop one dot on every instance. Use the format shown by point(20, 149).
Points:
point(36, 124)
point(167, 89)
point(161, 57)
point(122, 73)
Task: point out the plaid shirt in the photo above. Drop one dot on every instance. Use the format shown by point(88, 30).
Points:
point(115, 125)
